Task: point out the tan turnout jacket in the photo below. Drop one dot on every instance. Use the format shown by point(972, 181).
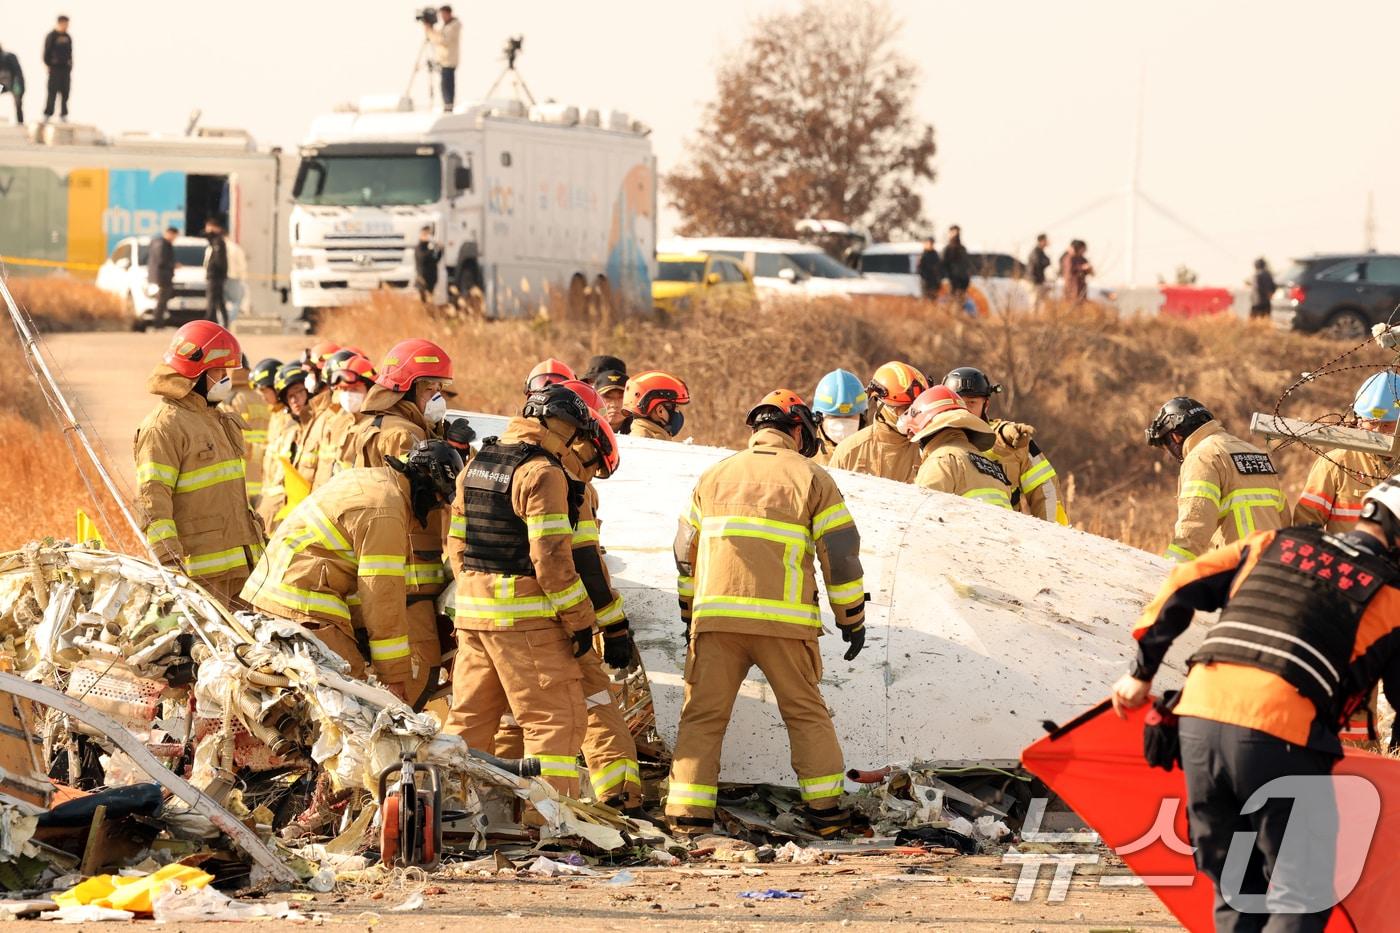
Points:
point(878, 449)
point(1034, 483)
point(645, 427)
point(744, 551)
point(953, 464)
point(1332, 495)
point(1226, 484)
point(253, 415)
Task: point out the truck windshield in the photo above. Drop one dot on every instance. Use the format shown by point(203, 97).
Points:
point(352, 181)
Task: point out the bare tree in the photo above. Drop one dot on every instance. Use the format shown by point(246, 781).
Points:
point(813, 117)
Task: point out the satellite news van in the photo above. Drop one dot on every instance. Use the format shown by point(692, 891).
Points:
point(532, 206)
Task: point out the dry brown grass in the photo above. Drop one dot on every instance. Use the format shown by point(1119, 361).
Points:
point(60, 303)
point(1088, 380)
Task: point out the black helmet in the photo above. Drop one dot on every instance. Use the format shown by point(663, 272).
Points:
point(431, 467)
point(263, 375)
point(604, 364)
point(288, 375)
point(1181, 415)
point(555, 401)
point(970, 382)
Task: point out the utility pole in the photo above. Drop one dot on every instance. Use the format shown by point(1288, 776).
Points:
point(1370, 227)
point(1134, 177)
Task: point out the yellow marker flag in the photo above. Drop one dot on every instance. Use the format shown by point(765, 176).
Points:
point(87, 531)
point(295, 486)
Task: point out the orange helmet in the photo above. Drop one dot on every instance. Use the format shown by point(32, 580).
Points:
point(200, 346)
point(321, 351)
point(939, 409)
point(352, 368)
point(409, 360)
point(605, 442)
point(586, 392)
point(897, 384)
point(785, 410)
point(547, 373)
point(647, 390)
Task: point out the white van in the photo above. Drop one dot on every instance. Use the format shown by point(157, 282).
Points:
point(998, 278)
point(790, 267)
point(123, 273)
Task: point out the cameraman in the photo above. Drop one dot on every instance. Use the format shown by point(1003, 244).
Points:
point(446, 37)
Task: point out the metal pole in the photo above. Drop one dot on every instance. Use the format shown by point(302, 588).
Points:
point(1134, 174)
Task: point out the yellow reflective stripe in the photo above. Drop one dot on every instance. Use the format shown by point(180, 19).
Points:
point(162, 473)
point(255, 435)
point(458, 527)
point(585, 532)
point(354, 600)
point(619, 772)
point(307, 601)
point(381, 565)
point(700, 795)
point(568, 598)
point(1200, 489)
point(829, 785)
point(694, 518)
point(255, 487)
point(847, 592)
point(611, 614)
point(388, 649)
point(685, 586)
point(749, 607)
point(162, 529)
point(744, 526)
point(1253, 498)
point(224, 472)
point(558, 766)
point(323, 529)
point(991, 496)
point(830, 519)
point(1179, 554)
point(543, 526)
point(1038, 475)
point(502, 610)
point(426, 574)
point(205, 565)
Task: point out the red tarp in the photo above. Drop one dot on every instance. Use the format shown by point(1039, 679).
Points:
point(1095, 764)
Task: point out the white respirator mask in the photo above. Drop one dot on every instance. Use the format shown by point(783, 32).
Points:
point(220, 391)
point(436, 409)
point(838, 429)
point(350, 401)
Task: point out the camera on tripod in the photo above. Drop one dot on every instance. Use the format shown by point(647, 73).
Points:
point(427, 16)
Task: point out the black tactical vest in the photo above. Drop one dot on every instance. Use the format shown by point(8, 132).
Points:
point(1297, 612)
point(497, 541)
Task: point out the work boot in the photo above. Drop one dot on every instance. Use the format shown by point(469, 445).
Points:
point(825, 823)
point(689, 827)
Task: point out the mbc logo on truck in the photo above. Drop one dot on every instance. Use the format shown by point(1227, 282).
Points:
point(142, 203)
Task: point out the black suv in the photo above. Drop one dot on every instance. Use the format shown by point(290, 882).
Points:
point(1339, 296)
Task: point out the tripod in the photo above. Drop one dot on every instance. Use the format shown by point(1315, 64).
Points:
point(517, 83)
point(424, 62)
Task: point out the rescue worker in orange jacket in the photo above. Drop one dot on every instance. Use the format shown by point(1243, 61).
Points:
point(1308, 625)
point(652, 401)
point(1339, 478)
point(285, 450)
point(252, 412)
point(748, 594)
point(880, 448)
point(523, 615)
point(1034, 489)
point(191, 496)
point(1226, 484)
point(338, 563)
point(608, 745)
point(955, 445)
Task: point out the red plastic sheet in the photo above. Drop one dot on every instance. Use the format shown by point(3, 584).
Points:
point(1095, 764)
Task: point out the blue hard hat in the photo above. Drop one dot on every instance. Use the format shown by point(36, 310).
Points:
point(840, 394)
point(1378, 399)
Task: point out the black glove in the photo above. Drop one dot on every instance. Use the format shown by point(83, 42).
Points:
point(855, 637)
point(617, 649)
point(1161, 742)
point(583, 642)
point(459, 433)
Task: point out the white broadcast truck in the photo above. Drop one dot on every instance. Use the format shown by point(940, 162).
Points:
point(535, 207)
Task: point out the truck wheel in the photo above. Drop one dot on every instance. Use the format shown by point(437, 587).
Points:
point(600, 298)
point(1347, 325)
point(466, 279)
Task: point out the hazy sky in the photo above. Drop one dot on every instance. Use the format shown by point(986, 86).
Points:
point(1266, 124)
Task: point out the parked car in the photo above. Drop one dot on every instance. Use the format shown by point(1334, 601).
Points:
point(1339, 295)
point(788, 267)
point(998, 279)
point(124, 275)
point(686, 279)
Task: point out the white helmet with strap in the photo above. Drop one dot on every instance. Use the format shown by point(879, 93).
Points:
point(1382, 506)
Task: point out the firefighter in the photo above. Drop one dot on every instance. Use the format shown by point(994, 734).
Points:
point(955, 445)
point(191, 495)
point(262, 377)
point(1034, 489)
point(338, 563)
point(547, 373)
point(842, 402)
point(608, 745)
point(748, 594)
point(1339, 478)
point(652, 402)
point(523, 615)
point(250, 407)
point(1308, 624)
point(285, 454)
point(1226, 484)
point(349, 377)
point(880, 448)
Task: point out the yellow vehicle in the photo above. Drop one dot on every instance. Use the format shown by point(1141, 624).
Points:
point(686, 279)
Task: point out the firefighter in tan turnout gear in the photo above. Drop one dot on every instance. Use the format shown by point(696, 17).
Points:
point(286, 440)
point(748, 594)
point(1226, 484)
point(252, 409)
point(955, 445)
point(880, 448)
point(523, 615)
point(1339, 480)
point(1034, 489)
point(338, 564)
point(191, 495)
